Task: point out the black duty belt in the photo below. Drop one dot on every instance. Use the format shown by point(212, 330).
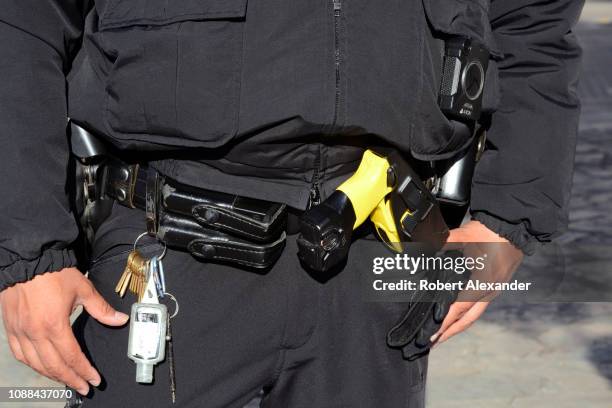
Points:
point(209, 224)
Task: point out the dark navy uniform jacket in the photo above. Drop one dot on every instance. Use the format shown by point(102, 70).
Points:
point(274, 98)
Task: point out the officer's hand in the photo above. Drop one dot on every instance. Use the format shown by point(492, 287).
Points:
point(501, 261)
point(36, 318)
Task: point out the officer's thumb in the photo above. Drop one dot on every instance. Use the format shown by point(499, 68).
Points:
point(99, 309)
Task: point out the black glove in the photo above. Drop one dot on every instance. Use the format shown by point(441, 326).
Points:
point(424, 317)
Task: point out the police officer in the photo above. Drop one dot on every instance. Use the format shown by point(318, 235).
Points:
point(276, 101)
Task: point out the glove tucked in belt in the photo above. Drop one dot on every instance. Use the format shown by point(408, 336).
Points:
point(424, 317)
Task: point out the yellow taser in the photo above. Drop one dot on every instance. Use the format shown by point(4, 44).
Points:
point(384, 189)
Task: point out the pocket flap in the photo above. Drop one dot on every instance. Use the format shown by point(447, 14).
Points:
point(125, 13)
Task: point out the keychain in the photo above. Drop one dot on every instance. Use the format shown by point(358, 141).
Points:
point(136, 271)
point(150, 327)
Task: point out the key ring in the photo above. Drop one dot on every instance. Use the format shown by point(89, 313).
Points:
point(158, 240)
point(176, 309)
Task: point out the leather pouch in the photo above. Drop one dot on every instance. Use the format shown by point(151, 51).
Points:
point(251, 219)
point(210, 244)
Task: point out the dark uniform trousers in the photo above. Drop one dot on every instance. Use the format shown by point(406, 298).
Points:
point(307, 344)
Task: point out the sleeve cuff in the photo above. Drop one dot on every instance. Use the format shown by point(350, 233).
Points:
point(21, 270)
point(517, 234)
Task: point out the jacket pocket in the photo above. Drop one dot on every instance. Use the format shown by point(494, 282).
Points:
point(439, 138)
point(176, 68)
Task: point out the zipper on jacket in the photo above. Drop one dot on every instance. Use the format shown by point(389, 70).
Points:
point(315, 194)
point(337, 7)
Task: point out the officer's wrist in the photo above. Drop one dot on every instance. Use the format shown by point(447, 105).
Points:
point(516, 234)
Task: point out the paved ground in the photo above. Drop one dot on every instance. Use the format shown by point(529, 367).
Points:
point(542, 355)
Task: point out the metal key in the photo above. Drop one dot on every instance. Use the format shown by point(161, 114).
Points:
point(143, 275)
point(123, 282)
point(126, 281)
point(134, 275)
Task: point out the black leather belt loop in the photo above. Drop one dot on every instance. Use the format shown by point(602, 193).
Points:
point(121, 181)
point(210, 225)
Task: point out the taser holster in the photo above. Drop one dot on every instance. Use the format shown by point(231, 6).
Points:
point(384, 189)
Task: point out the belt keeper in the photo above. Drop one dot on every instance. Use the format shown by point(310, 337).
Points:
point(122, 183)
point(151, 201)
